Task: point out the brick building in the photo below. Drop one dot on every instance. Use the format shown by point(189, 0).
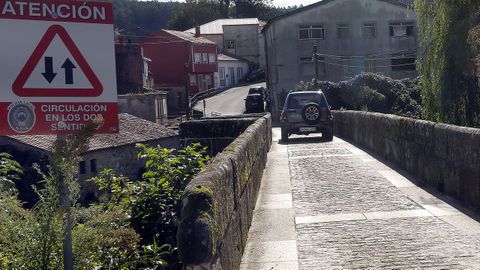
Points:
point(181, 60)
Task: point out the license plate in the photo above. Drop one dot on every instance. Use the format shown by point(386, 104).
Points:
point(308, 129)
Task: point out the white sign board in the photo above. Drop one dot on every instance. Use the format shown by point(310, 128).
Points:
point(57, 63)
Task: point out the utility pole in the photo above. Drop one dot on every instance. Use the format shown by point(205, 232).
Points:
point(315, 58)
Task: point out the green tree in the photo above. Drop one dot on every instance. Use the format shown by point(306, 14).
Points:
point(449, 75)
point(196, 12)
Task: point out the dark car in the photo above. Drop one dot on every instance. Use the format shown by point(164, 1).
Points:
point(254, 104)
point(257, 90)
point(255, 75)
point(306, 112)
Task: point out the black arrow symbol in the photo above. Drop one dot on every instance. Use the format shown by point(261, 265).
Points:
point(68, 66)
point(48, 74)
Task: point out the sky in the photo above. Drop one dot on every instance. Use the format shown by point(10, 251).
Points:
point(280, 3)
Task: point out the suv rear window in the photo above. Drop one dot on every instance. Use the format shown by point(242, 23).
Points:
point(255, 91)
point(297, 101)
point(254, 97)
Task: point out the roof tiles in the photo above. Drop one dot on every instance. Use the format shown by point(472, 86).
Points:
point(132, 130)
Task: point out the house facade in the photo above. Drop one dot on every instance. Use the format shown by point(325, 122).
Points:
point(151, 106)
point(181, 63)
point(238, 37)
point(351, 37)
point(231, 70)
point(115, 151)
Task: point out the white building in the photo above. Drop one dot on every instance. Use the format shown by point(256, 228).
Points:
point(231, 70)
point(239, 37)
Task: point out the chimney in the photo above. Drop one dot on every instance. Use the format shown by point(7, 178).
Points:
point(197, 31)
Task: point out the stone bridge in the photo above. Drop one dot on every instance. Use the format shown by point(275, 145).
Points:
point(387, 193)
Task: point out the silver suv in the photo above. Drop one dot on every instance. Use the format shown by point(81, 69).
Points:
point(306, 112)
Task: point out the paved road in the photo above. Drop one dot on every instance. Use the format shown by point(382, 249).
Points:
point(228, 102)
point(330, 205)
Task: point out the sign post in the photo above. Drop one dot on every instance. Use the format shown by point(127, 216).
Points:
point(57, 60)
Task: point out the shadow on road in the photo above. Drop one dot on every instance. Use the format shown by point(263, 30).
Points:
point(300, 140)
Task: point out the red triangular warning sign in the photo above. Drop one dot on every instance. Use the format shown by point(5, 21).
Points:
point(19, 88)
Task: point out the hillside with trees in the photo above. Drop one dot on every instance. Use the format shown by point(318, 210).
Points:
point(141, 18)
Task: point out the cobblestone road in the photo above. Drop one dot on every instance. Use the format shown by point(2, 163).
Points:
point(353, 212)
point(330, 205)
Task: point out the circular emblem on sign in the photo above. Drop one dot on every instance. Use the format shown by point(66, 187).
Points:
point(21, 116)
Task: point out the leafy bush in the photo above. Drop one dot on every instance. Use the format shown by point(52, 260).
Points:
point(120, 233)
point(371, 92)
point(9, 170)
point(153, 203)
point(103, 239)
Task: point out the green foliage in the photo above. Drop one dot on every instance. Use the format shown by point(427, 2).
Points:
point(197, 12)
point(371, 92)
point(107, 236)
point(103, 239)
point(449, 73)
point(153, 203)
point(10, 170)
point(141, 18)
point(194, 13)
point(372, 99)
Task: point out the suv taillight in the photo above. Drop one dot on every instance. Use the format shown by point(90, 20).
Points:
point(329, 113)
point(283, 116)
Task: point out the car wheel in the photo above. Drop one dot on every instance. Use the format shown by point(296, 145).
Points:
point(311, 113)
point(284, 135)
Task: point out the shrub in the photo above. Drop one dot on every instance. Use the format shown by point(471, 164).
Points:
point(153, 203)
point(371, 92)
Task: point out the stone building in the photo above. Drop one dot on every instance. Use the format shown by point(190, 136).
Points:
point(352, 36)
point(151, 106)
point(238, 37)
point(115, 151)
point(231, 70)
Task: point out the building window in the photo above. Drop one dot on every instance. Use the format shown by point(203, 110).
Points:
point(204, 58)
point(370, 65)
point(193, 80)
point(403, 62)
point(93, 165)
point(311, 32)
point(369, 30)
point(230, 44)
point(239, 73)
point(344, 31)
point(198, 58)
point(345, 63)
point(82, 167)
point(306, 60)
point(211, 58)
point(401, 29)
point(221, 71)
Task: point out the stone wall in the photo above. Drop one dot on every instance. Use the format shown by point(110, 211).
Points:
point(443, 156)
point(215, 133)
point(218, 204)
point(149, 106)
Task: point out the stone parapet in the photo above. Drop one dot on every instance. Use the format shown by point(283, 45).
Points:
point(443, 156)
point(218, 203)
